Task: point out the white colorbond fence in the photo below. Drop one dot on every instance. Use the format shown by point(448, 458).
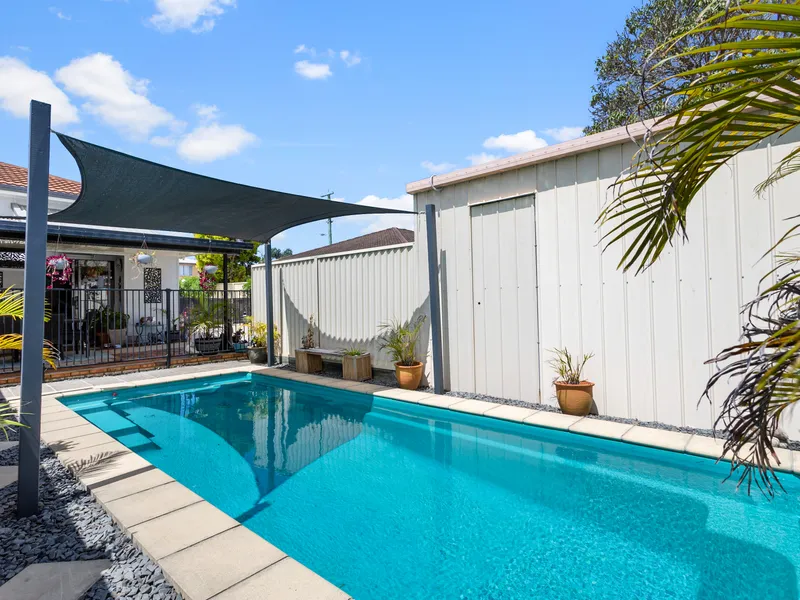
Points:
point(349, 295)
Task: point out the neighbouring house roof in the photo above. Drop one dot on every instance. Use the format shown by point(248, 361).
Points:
point(120, 190)
point(596, 141)
point(387, 237)
point(13, 176)
point(97, 236)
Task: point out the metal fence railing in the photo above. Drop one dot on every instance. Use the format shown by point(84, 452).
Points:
point(97, 326)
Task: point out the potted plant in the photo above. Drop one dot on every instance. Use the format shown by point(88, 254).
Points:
point(115, 324)
point(574, 394)
point(356, 364)
point(257, 353)
point(306, 362)
point(206, 321)
point(400, 341)
point(238, 341)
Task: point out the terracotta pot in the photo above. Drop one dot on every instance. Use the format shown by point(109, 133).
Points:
point(408, 377)
point(575, 398)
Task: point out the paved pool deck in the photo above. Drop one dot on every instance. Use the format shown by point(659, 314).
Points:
point(205, 553)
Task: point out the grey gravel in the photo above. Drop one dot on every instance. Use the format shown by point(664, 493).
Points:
point(387, 379)
point(72, 526)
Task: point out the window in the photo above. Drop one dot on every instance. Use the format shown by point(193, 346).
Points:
point(185, 270)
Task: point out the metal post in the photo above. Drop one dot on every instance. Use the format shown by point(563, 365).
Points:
point(433, 285)
point(169, 327)
point(226, 314)
point(33, 314)
point(268, 301)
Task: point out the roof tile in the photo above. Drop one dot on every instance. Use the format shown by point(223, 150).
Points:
point(18, 177)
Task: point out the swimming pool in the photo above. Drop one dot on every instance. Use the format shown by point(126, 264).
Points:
point(393, 500)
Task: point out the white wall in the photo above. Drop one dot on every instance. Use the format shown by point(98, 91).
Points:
point(349, 294)
point(650, 333)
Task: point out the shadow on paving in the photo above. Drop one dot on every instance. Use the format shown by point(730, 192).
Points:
point(72, 526)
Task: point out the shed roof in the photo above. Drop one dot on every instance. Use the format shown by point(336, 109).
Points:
point(378, 239)
point(120, 190)
point(548, 153)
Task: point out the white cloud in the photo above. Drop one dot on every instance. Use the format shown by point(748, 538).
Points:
point(57, 12)
point(373, 223)
point(483, 157)
point(206, 112)
point(563, 134)
point(437, 167)
point(114, 95)
point(301, 49)
point(310, 70)
point(22, 48)
point(350, 59)
point(207, 143)
point(524, 141)
point(198, 16)
point(163, 141)
point(19, 84)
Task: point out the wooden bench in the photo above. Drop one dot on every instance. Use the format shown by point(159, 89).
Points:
point(356, 368)
point(309, 360)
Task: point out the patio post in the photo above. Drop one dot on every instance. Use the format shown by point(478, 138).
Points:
point(268, 301)
point(433, 285)
point(33, 315)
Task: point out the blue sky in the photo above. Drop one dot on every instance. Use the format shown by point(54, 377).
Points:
point(354, 97)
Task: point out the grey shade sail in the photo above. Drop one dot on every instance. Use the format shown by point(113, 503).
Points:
point(120, 190)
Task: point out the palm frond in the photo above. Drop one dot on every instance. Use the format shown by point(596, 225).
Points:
point(8, 417)
point(746, 92)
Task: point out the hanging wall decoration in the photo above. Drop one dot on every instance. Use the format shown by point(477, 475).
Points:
point(58, 269)
point(152, 286)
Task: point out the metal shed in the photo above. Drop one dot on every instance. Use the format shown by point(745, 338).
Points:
point(522, 272)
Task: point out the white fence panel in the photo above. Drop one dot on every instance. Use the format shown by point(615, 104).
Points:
point(348, 294)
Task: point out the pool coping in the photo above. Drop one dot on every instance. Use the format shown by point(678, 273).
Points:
point(206, 554)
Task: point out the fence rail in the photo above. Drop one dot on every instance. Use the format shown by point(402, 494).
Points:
point(98, 326)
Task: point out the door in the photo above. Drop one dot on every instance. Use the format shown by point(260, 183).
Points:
point(505, 299)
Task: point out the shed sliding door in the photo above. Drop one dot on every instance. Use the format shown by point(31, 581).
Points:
point(504, 299)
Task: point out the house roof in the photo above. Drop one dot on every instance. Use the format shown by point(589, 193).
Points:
point(14, 176)
point(387, 237)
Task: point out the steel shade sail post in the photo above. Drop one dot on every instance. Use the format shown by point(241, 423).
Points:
point(268, 302)
point(433, 285)
point(33, 315)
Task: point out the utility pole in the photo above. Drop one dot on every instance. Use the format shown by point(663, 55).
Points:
point(330, 221)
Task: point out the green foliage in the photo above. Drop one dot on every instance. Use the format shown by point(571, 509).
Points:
point(626, 67)
point(278, 253)
point(352, 351)
point(743, 92)
point(258, 336)
point(110, 319)
point(400, 339)
point(238, 266)
point(207, 317)
point(8, 418)
point(569, 368)
point(188, 284)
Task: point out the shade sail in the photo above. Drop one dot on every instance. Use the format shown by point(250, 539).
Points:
point(120, 190)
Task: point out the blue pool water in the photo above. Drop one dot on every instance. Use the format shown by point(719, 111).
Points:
point(391, 500)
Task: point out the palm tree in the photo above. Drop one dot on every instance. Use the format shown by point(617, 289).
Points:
point(747, 90)
point(11, 305)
